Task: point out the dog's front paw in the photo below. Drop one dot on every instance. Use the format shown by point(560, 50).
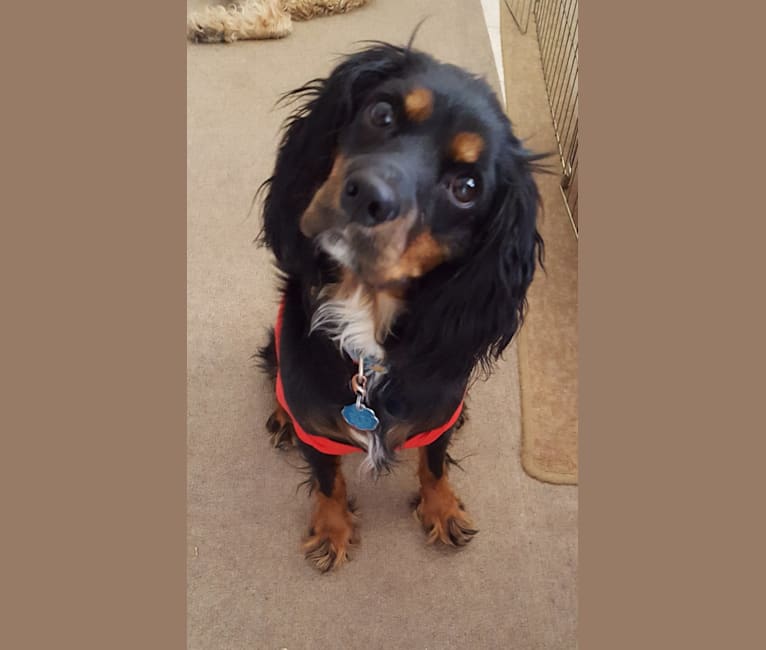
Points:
point(443, 517)
point(280, 429)
point(334, 528)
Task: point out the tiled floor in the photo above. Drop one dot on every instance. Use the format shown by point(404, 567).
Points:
point(492, 18)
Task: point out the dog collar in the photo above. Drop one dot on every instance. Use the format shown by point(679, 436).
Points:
point(331, 447)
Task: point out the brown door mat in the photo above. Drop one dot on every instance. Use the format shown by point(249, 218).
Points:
point(548, 339)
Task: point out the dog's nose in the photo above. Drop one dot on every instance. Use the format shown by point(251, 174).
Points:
point(369, 199)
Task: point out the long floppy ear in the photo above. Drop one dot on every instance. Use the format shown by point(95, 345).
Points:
point(467, 313)
point(308, 146)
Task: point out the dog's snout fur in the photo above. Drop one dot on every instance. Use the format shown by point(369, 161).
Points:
point(378, 188)
point(369, 197)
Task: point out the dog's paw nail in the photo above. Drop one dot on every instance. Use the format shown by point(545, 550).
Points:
point(323, 554)
point(460, 531)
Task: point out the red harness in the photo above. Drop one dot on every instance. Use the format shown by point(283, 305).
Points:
point(331, 447)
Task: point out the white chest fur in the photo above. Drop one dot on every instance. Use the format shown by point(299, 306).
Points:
point(358, 321)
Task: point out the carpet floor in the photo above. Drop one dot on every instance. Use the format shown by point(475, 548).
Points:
point(548, 340)
point(249, 587)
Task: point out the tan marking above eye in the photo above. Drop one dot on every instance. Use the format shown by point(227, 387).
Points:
point(419, 104)
point(466, 147)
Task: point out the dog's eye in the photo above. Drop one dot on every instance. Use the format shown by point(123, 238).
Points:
point(465, 188)
point(382, 114)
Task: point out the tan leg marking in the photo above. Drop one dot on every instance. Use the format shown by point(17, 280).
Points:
point(439, 510)
point(333, 528)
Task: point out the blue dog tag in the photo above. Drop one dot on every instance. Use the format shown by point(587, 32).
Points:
point(360, 417)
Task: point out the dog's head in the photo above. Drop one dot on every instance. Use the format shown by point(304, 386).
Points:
point(405, 171)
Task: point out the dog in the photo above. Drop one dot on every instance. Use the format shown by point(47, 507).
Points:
point(402, 213)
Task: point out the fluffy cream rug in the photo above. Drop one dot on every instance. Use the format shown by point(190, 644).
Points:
point(259, 19)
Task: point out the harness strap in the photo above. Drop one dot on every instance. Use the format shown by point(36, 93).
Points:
point(331, 447)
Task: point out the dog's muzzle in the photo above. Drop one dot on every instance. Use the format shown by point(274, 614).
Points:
point(365, 217)
point(372, 195)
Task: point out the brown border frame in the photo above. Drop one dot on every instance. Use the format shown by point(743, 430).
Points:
point(94, 545)
point(671, 316)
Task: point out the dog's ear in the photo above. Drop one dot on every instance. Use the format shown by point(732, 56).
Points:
point(468, 312)
point(308, 146)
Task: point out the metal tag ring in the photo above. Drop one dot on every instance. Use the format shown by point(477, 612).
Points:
point(358, 384)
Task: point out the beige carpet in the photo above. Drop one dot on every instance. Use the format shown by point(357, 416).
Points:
point(548, 341)
point(248, 585)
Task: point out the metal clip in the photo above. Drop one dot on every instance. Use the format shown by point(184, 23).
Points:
point(359, 384)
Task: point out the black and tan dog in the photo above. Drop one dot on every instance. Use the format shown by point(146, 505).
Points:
point(402, 214)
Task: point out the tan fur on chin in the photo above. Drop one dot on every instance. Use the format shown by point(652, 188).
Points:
point(334, 528)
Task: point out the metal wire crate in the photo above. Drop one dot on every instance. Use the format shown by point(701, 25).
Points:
point(556, 24)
